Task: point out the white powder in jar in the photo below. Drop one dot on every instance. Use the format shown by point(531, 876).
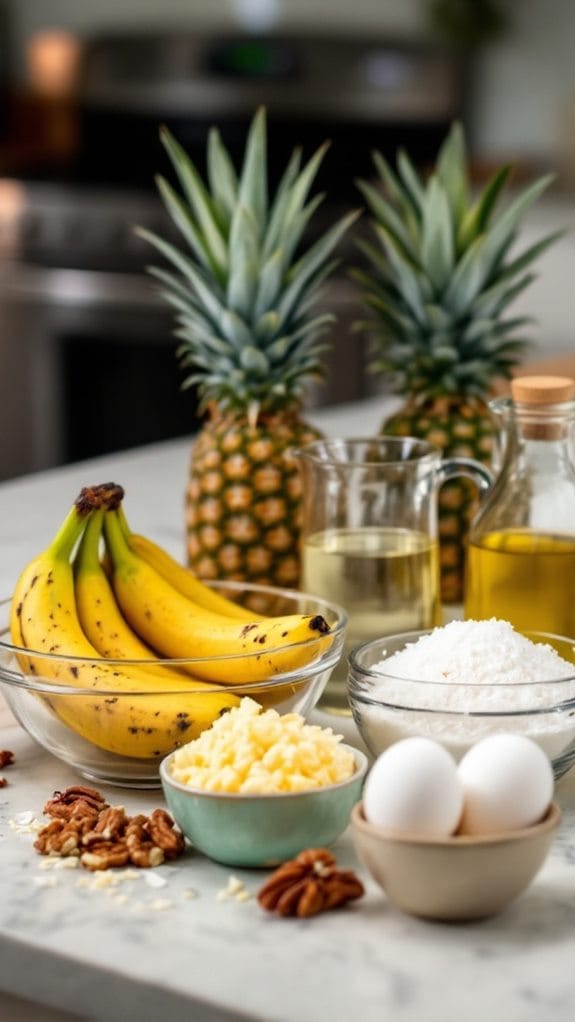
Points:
point(468, 668)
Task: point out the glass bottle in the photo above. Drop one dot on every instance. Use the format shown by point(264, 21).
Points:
point(521, 553)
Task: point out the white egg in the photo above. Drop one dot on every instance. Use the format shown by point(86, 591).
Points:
point(507, 784)
point(413, 787)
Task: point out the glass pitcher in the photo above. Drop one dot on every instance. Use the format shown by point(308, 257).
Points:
point(521, 554)
point(369, 535)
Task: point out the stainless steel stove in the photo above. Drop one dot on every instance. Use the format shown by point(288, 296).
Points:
point(87, 361)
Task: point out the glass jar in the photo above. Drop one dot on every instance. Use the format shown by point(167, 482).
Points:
point(521, 552)
point(369, 536)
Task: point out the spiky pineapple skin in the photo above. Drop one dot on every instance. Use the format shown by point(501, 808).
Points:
point(460, 427)
point(244, 499)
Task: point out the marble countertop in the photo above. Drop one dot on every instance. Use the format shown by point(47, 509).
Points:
point(180, 950)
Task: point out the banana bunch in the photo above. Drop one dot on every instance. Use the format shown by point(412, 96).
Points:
point(117, 616)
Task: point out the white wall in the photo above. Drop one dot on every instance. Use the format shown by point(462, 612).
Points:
point(522, 81)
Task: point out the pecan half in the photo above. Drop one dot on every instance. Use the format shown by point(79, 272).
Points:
point(62, 802)
point(105, 855)
point(109, 826)
point(160, 827)
point(60, 837)
point(141, 848)
point(6, 758)
point(309, 884)
point(83, 811)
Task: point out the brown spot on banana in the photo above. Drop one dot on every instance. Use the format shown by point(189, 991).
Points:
point(319, 624)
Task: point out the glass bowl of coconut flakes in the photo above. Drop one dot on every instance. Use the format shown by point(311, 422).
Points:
point(464, 681)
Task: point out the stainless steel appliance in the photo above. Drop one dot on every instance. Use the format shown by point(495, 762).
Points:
point(87, 361)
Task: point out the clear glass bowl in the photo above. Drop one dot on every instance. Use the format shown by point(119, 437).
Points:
point(387, 708)
point(55, 714)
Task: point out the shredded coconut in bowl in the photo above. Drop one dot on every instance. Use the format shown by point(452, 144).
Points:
point(477, 653)
point(471, 678)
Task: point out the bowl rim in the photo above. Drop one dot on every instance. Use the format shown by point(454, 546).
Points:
point(549, 821)
point(327, 658)
point(361, 766)
point(369, 674)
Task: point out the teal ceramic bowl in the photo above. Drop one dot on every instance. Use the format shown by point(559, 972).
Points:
point(262, 830)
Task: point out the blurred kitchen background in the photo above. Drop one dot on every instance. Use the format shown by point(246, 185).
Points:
point(87, 358)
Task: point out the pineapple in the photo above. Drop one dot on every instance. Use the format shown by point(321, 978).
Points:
point(438, 282)
point(249, 341)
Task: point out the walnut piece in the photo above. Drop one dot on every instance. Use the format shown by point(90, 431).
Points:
point(6, 758)
point(83, 824)
point(309, 884)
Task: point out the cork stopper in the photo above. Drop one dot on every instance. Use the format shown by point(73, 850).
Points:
point(538, 395)
point(542, 390)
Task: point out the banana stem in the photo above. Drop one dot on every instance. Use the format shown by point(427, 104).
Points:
point(121, 515)
point(108, 496)
point(90, 499)
point(115, 540)
point(88, 556)
point(69, 533)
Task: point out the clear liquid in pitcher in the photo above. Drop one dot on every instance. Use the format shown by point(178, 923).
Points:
point(525, 577)
point(387, 580)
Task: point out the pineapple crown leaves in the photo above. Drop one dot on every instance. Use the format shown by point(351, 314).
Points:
point(443, 271)
point(243, 286)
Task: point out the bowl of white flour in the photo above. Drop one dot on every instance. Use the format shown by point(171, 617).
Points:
point(466, 680)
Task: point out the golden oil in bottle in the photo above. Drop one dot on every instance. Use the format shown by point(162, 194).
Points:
point(525, 577)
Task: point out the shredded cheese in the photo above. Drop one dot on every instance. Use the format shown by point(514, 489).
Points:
point(252, 751)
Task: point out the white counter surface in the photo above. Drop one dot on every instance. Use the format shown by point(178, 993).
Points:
point(136, 952)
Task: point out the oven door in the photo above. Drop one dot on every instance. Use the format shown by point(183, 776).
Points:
point(89, 366)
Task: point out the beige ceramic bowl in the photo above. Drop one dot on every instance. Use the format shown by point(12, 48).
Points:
point(455, 878)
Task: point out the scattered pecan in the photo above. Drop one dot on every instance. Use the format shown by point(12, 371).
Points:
point(105, 855)
point(142, 849)
point(160, 827)
point(6, 758)
point(109, 826)
point(83, 824)
point(81, 810)
point(3, 782)
point(309, 884)
point(60, 837)
point(62, 802)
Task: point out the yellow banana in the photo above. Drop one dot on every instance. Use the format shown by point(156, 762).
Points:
point(98, 613)
point(126, 710)
point(177, 627)
point(181, 578)
point(16, 610)
point(15, 629)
